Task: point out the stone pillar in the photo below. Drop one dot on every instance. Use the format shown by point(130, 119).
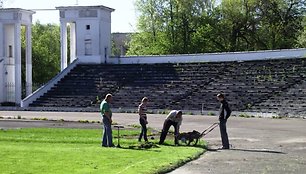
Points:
point(1, 80)
point(28, 60)
point(1, 41)
point(17, 56)
point(72, 42)
point(1, 63)
point(63, 45)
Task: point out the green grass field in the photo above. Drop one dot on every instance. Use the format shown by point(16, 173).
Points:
point(54, 150)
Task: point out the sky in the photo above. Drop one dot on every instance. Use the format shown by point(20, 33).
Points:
point(123, 18)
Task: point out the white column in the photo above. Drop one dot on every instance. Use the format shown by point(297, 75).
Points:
point(17, 56)
point(1, 63)
point(1, 41)
point(72, 42)
point(63, 45)
point(1, 81)
point(28, 60)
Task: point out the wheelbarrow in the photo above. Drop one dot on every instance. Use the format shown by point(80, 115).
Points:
point(192, 138)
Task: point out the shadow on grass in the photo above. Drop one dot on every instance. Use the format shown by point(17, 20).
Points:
point(138, 149)
point(144, 147)
point(247, 150)
point(152, 146)
point(203, 146)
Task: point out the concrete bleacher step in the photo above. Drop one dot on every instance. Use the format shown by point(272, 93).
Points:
point(259, 84)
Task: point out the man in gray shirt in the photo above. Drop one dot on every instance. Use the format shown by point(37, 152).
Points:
point(174, 119)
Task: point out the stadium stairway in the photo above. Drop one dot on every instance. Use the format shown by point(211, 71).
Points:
point(291, 102)
point(257, 86)
point(247, 84)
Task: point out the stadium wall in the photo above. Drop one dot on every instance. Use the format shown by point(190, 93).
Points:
point(211, 57)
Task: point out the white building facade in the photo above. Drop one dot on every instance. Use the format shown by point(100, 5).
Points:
point(90, 33)
point(11, 22)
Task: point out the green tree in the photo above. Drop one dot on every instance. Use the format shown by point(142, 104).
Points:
point(280, 22)
point(263, 24)
point(194, 26)
point(238, 18)
point(45, 52)
point(167, 26)
point(302, 36)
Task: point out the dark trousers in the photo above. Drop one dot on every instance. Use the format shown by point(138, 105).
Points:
point(143, 130)
point(223, 132)
point(165, 130)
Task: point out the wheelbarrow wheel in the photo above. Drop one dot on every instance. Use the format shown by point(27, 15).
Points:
point(192, 142)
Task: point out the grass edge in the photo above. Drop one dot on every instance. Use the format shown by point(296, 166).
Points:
point(180, 163)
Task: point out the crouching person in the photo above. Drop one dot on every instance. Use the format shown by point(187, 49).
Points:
point(174, 119)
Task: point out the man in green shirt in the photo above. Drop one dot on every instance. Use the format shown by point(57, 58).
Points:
point(106, 113)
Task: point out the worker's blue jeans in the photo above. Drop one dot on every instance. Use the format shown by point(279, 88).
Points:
point(107, 140)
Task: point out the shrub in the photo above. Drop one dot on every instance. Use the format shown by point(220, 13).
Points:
point(210, 113)
point(244, 115)
point(83, 121)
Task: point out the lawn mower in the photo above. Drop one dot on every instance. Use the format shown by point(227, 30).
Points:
point(192, 138)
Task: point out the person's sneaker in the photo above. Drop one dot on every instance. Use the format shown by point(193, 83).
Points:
point(223, 148)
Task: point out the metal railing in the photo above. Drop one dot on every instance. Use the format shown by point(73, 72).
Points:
point(9, 94)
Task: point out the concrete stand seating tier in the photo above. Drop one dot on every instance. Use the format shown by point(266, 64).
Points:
point(265, 86)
